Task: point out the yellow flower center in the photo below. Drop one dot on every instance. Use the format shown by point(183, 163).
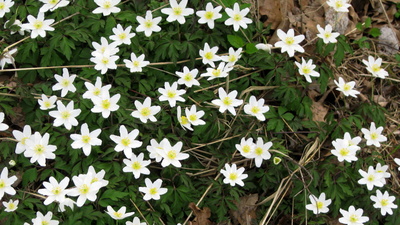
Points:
point(85, 139)
point(65, 82)
point(45, 223)
point(177, 11)
point(184, 120)
point(255, 109)
point(344, 152)
point(374, 136)
point(153, 191)
point(193, 117)
point(289, 40)
point(126, 141)
point(56, 190)
point(105, 60)
point(353, 218)
point(233, 176)
point(258, 151)
point(2, 183)
point(188, 77)
point(11, 206)
point(384, 202)
point(246, 149)
point(136, 63)
point(39, 149)
point(23, 140)
point(2, 5)
point(327, 34)
point(237, 17)
point(96, 91)
point(346, 87)
point(65, 115)
point(227, 101)
point(339, 4)
point(106, 104)
point(47, 104)
point(306, 70)
point(171, 94)
point(145, 111)
point(117, 214)
point(107, 5)
point(148, 24)
point(84, 189)
point(122, 36)
point(371, 178)
point(320, 205)
point(216, 72)
point(171, 154)
point(375, 68)
point(136, 165)
point(38, 24)
point(209, 15)
point(232, 58)
point(53, 2)
point(209, 55)
point(95, 179)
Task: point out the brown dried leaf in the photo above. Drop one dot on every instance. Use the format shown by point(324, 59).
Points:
point(319, 111)
point(202, 215)
point(380, 100)
point(246, 210)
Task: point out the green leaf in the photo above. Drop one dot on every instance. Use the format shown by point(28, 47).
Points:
point(374, 32)
point(114, 194)
point(235, 41)
point(367, 22)
point(66, 46)
point(29, 175)
point(251, 48)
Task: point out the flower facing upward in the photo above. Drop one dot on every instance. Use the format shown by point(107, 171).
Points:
point(54, 191)
point(374, 135)
point(86, 139)
point(344, 151)
point(194, 116)
point(44, 219)
point(256, 108)
point(339, 5)
point(382, 170)
point(136, 165)
point(121, 35)
point(136, 63)
point(95, 177)
point(65, 115)
point(53, 5)
point(209, 55)
point(246, 147)
point(306, 68)
point(232, 57)
point(104, 62)
point(106, 104)
point(209, 15)
point(188, 77)
point(5, 6)
point(148, 25)
point(374, 67)
point(353, 216)
point(3, 126)
point(289, 43)
point(384, 202)
point(107, 7)
point(172, 154)
point(38, 26)
point(326, 34)
point(177, 11)
point(227, 101)
point(96, 90)
point(346, 87)
point(152, 190)
point(120, 214)
point(38, 148)
point(65, 82)
point(371, 178)
point(6, 182)
point(237, 17)
point(21, 137)
point(171, 94)
point(104, 48)
point(47, 103)
point(11, 205)
point(221, 71)
point(183, 120)
point(233, 175)
point(352, 141)
point(261, 151)
point(145, 111)
point(155, 149)
point(126, 141)
point(84, 188)
point(319, 205)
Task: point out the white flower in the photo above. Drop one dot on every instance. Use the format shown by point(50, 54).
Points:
point(3, 126)
point(120, 214)
point(47, 103)
point(237, 17)
point(374, 67)
point(171, 94)
point(16, 23)
point(260, 151)
point(148, 25)
point(104, 47)
point(136, 63)
point(38, 26)
point(38, 148)
point(54, 191)
point(107, 7)
point(209, 55)
point(289, 43)
point(145, 111)
point(232, 57)
point(121, 35)
point(227, 101)
point(177, 11)
point(209, 15)
point(11, 205)
point(339, 5)
point(44, 219)
point(95, 177)
point(370, 178)
point(6, 182)
point(5, 6)
point(194, 116)
point(183, 120)
point(353, 216)
point(397, 161)
point(53, 5)
point(382, 170)
point(135, 221)
point(152, 190)
point(256, 108)
point(126, 141)
point(374, 135)
point(7, 57)
point(105, 105)
point(65, 82)
point(233, 175)
point(96, 90)
point(220, 72)
point(172, 154)
point(136, 165)
point(104, 62)
point(319, 205)
point(306, 68)
point(326, 34)
point(188, 77)
point(344, 151)
point(346, 87)
point(155, 149)
point(384, 202)
point(86, 139)
point(84, 188)
point(352, 141)
point(21, 137)
point(246, 147)
point(65, 115)
point(67, 202)
point(264, 47)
